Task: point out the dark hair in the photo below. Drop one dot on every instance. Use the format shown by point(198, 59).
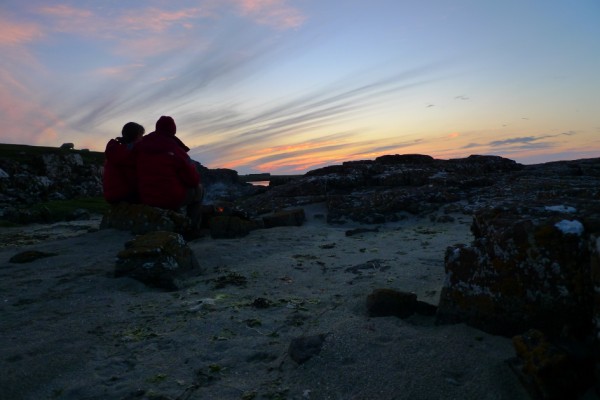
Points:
point(132, 132)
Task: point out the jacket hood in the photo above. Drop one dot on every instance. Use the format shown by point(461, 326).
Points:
point(166, 126)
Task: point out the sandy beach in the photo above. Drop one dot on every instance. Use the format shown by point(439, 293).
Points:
point(70, 330)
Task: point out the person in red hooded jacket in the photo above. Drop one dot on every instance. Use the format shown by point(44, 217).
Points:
point(119, 181)
point(167, 176)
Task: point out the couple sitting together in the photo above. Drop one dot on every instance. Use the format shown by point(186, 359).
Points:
point(154, 170)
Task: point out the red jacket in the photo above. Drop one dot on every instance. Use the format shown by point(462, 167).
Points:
point(119, 181)
point(164, 170)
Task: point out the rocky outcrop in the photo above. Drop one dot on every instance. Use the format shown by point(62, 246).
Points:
point(222, 184)
point(385, 188)
point(29, 178)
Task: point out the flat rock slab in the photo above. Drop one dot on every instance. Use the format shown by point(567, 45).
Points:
point(140, 219)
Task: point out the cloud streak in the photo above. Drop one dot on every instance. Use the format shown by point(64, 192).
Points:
point(275, 13)
point(307, 116)
point(18, 33)
point(520, 146)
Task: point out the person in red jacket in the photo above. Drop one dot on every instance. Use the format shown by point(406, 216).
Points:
point(119, 181)
point(167, 176)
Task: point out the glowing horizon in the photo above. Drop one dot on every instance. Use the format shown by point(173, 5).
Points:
point(285, 86)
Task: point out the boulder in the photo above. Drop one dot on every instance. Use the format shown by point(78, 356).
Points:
point(159, 259)
point(390, 302)
point(528, 267)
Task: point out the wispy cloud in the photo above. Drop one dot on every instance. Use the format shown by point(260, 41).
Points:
point(275, 13)
point(18, 33)
point(517, 140)
point(158, 20)
point(79, 20)
point(307, 116)
point(512, 147)
point(119, 72)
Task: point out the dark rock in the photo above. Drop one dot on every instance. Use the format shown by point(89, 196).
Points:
point(389, 302)
point(67, 146)
point(550, 371)
point(303, 348)
point(29, 256)
point(159, 259)
point(358, 231)
point(261, 302)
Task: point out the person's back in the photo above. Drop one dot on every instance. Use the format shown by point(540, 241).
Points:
point(164, 170)
point(119, 181)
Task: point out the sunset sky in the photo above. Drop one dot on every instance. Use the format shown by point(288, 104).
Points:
point(285, 86)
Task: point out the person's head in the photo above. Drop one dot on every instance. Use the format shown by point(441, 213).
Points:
point(132, 132)
point(166, 125)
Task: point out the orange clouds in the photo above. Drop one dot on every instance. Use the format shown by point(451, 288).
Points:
point(291, 158)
